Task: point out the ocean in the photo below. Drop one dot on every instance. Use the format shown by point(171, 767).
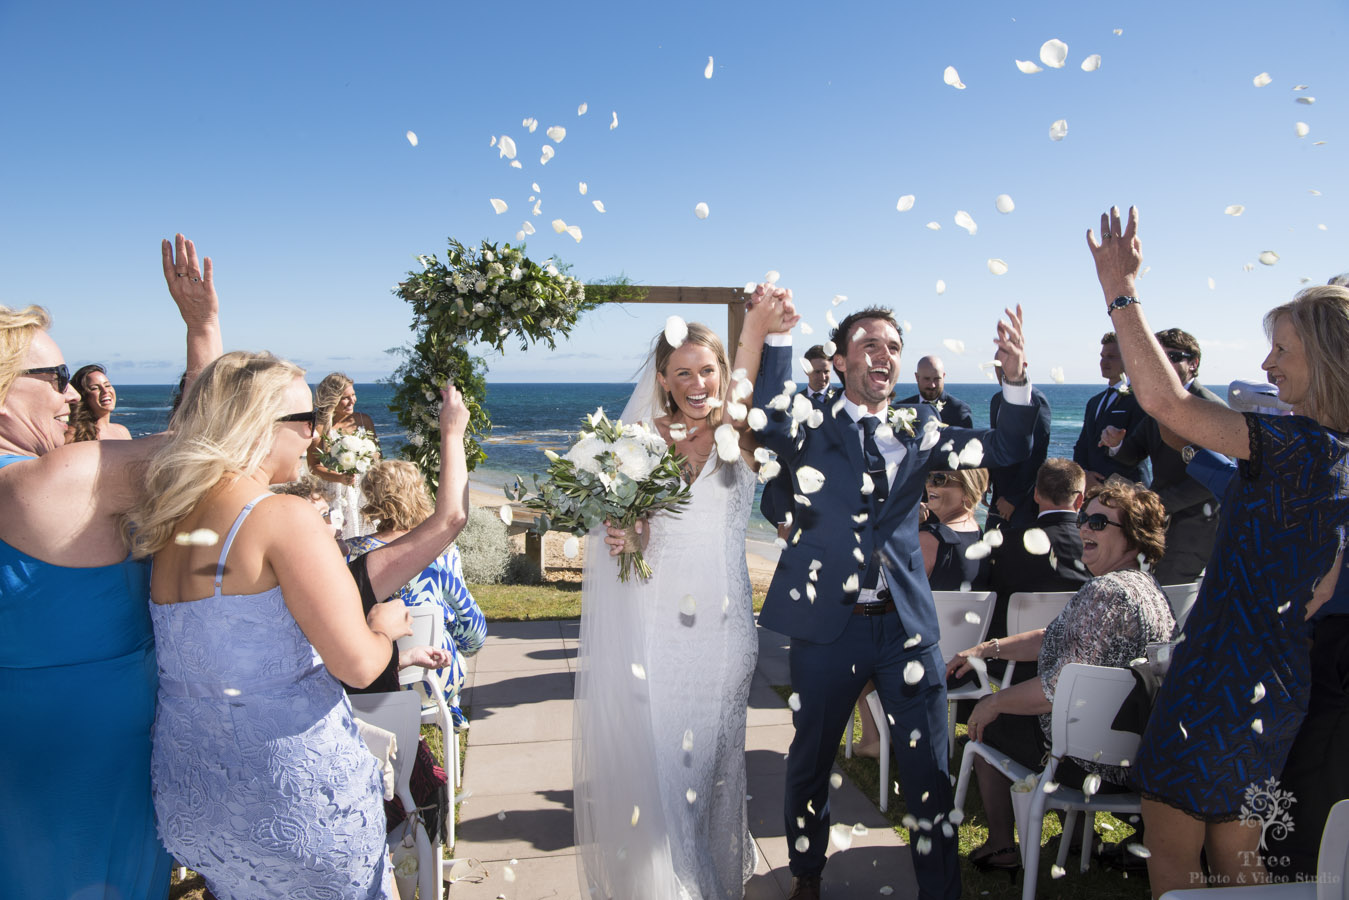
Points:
point(530, 418)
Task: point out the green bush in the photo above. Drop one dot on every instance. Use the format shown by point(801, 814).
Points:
point(484, 547)
point(523, 570)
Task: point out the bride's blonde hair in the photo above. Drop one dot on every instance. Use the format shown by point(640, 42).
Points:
point(703, 336)
point(227, 423)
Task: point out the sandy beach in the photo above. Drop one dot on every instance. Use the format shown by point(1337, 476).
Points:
point(760, 556)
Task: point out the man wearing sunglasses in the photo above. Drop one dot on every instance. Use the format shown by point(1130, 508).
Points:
point(1193, 509)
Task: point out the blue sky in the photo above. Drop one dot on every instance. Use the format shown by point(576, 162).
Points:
point(273, 134)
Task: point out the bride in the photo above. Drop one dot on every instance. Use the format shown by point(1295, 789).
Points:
point(665, 665)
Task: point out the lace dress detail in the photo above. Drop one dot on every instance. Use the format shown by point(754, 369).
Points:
point(260, 780)
point(698, 670)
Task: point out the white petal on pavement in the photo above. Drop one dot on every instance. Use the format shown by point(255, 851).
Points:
point(1054, 53)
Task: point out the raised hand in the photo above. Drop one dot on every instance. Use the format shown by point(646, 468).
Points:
point(453, 412)
point(770, 310)
point(1118, 254)
point(1011, 344)
point(190, 282)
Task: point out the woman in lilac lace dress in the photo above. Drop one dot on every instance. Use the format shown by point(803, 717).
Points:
point(260, 781)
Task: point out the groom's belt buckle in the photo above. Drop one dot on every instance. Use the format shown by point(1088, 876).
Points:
point(873, 603)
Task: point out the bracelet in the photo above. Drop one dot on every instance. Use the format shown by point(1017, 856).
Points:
point(1119, 303)
point(1025, 380)
point(997, 649)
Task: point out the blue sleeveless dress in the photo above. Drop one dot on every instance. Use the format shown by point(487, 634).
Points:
point(261, 783)
point(77, 690)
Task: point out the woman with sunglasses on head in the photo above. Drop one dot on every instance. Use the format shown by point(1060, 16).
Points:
point(950, 529)
point(74, 611)
point(261, 782)
point(91, 415)
point(1237, 688)
point(1108, 622)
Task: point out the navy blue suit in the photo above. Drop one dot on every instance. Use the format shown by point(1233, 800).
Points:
point(1123, 412)
point(954, 411)
point(1016, 483)
point(833, 651)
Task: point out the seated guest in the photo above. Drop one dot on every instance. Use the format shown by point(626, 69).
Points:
point(1115, 406)
point(397, 501)
point(91, 416)
point(1192, 508)
point(950, 529)
point(931, 377)
point(1108, 622)
point(1013, 487)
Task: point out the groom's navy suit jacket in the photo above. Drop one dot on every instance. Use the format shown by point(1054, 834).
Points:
point(827, 531)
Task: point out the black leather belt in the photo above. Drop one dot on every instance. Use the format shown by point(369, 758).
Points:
point(886, 604)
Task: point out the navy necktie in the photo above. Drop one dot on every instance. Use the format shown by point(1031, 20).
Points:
point(880, 479)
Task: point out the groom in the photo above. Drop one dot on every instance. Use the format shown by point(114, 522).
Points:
point(850, 589)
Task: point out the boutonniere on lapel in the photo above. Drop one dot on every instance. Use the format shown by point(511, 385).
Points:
point(939, 405)
point(901, 419)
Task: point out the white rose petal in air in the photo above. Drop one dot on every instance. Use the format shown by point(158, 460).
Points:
point(1054, 53)
point(412, 138)
point(1091, 63)
point(599, 207)
point(498, 205)
point(556, 134)
point(941, 286)
point(1091, 784)
point(571, 547)
point(973, 617)
point(1321, 227)
point(977, 550)
point(964, 221)
point(676, 331)
point(700, 210)
point(802, 844)
point(583, 187)
point(838, 298)
point(851, 584)
point(1301, 87)
point(1235, 209)
point(997, 266)
point(913, 641)
point(1261, 80)
point(1259, 693)
point(1212, 284)
point(806, 329)
point(581, 110)
point(794, 701)
point(1057, 871)
point(1004, 203)
point(1056, 373)
point(537, 206)
point(516, 164)
point(1258, 726)
point(905, 203)
point(519, 236)
point(840, 836)
point(737, 410)
point(531, 123)
point(1302, 129)
point(1268, 258)
point(810, 479)
point(507, 515)
point(728, 442)
point(1306, 101)
point(546, 155)
point(1248, 267)
point(559, 226)
point(639, 671)
point(1059, 130)
point(954, 345)
point(527, 227)
point(707, 71)
point(913, 672)
point(690, 795)
point(636, 814)
point(1119, 31)
point(994, 537)
point(1027, 67)
point(1036, 542)
point(933, 226)
point(687, 605)
point(829, 318)
point(756, 419)
point(200, 537)
point(506, 146)
point(972, 454)
point(952, 77)
point(614, 123)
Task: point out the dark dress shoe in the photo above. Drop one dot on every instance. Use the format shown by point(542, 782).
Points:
point(805, 887)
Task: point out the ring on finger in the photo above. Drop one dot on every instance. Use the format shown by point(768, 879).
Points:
point(195, 280)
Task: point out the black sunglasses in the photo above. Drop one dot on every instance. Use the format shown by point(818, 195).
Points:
point(61, 372)
point(312, 417)
point(1177, 355)
point(939, 479)
point(1095, 521)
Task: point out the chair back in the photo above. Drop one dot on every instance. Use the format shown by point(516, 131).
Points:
point(1181, 598)
point(1086, 701)
point(428, 630)
point(1029, 610)
point(960, 629)
point(1332, 863)
point(401, 713)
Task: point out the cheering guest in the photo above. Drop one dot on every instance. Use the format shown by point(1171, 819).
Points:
point(1237, 689)
point(950, 529)
point(91, 415)
point(1114, 406)
point(931, 378)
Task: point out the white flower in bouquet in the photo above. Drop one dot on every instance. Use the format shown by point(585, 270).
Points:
point(348, 454)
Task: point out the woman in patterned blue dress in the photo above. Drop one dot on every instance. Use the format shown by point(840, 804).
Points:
point(397, 500)
point(1238, 684)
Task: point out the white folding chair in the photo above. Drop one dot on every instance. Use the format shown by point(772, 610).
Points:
point(428, 629)
point(1181, 598)
point(873, 701)
point(963, 617)
point(401, 713)
point(1086, 701)
point(1029, 610)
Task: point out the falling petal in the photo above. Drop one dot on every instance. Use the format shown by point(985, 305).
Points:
point(598, 205)
point(583, 188)
point(1059, 130)
point(676, 331)
point(690, 795)
point(1314, 192)
point(1091, 63)
point(829, 318)
point(1027, 67)
point(1235, 209)
point(614, 123)
point(1259, 693)
point(687, 605)
point(636, 814)
point(994, 537)
point(412, 138)
point(506, 146)
point(838, 298)
point(1119, 31)
point(913, 641)
point(835, 780)
point(806, 329)
point(571, 547)
point(1036, 542)
point(913, 672)
point(1302, 129)
point(498, 205)
point(1306, 101)
point(559, 226)
point(575, 232)
point(954, 345)
point(535, 188)
point(905, 203)
point(997, 266)
point(756, 419)
point(1262, 79)
point(1258, 726)
point(1004, 203)
point(810, 479)
point(934, 226)
point(700, 210)
point(802, 844)
point(1268, 258)
point(941, 286)
point(840, 836)
point(728, 442)
point(537, 207)
point(1091, 784)
point(868, 485)
point(1056, 373)
point(1212, 284)
point(507, 515)
point(850, 584)
point(501, 816)
point(707, 72)
point(964, 221)
point(977, 550)
point(1247, 267)
point(546, 155)
point(200, 537)
point(885, 890)
point(556, 134)
point(794, 701)
point(516, 164)
point(1183, 733)
point(772, 276)
point(952, 77)
point(519, 236)
point(737, 410)
point(1054, 53)
point(1138, 850)
point(1057, 871)
point(1321, 227)
point(581, 110)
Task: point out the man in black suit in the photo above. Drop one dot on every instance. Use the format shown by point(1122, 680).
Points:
point(1013, 487)
point(1114, 407)
point(1192, 508)
point(777, 503)
point(931, 378)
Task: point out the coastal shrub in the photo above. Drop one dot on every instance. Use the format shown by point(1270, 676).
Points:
point(523, 570)
point(484, 547)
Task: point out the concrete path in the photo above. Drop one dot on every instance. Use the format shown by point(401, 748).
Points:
point(518, 820)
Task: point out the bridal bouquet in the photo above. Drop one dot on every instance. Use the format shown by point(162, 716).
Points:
point(348, 454)
point(614, 472)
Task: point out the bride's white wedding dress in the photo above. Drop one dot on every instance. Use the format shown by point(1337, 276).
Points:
point(662, 686)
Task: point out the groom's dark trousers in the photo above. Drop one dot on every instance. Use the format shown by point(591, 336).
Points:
point(837, 535)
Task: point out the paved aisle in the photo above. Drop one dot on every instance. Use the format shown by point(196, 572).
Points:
point(518, 768)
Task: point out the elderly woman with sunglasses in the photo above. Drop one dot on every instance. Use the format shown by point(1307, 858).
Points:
point(1237, 688)
point(1108, 622)
point(74, 611)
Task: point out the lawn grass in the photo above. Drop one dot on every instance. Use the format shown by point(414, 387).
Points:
point(1097, 883)
point(537, 603)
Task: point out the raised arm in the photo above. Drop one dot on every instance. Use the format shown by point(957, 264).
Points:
point(1119, 256)
point(395, 564)
point(192, 286)
point(769, 311)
